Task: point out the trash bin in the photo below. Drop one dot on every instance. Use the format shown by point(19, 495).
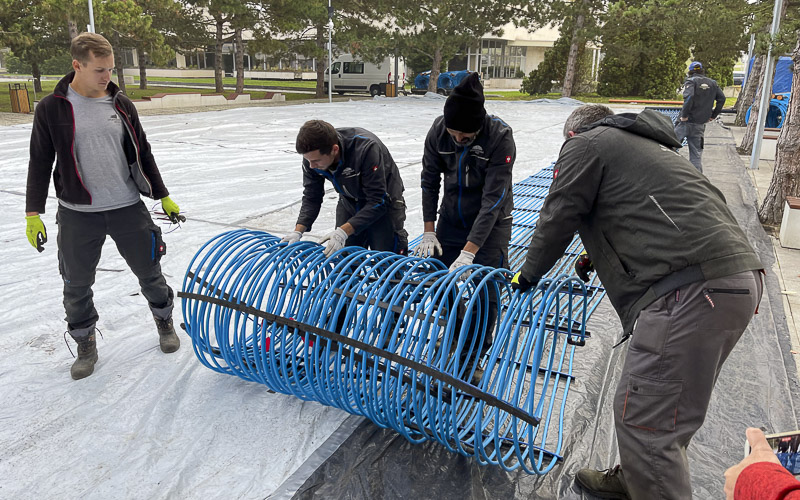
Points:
point(20, 102)
point(391, 90)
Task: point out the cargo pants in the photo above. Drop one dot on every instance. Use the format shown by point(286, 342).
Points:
point(677, 350)
point(80, 240)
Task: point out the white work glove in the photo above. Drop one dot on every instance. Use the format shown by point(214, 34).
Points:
point(464, 259)
point(429, 246)
point(336, 240)
point(292, 237)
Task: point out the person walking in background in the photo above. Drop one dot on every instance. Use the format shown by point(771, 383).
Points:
point(699, 96)
point(103, 165)
point(371, 211)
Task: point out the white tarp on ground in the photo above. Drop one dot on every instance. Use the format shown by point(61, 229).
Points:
point(150, 425)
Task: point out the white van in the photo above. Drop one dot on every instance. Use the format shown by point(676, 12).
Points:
point(353, 75)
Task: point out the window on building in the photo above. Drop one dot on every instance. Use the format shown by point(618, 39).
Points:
point(499, 60)
point(353, 67)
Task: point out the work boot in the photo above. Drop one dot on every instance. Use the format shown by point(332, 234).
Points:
point(609, 483)
point(87, 353)
point(167, 338)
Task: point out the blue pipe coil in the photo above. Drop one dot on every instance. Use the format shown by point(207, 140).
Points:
point(778, 109)
point(394, 338)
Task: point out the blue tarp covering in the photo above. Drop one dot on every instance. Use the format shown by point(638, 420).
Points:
point(447, 79)
point(783, 75)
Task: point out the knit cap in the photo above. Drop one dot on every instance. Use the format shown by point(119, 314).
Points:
point(463, 110)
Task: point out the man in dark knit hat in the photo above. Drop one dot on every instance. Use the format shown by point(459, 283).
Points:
point(475, 153)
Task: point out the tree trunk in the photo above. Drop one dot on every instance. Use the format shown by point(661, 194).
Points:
point(572, 59)
point(218, 70)
point(239, 61)
point(746, 147)
point(321, 68)
point(73, 28)
point(118, 63)
point(786, 176)
point(36, 73)
point(142, 70)
point(435, 70)
point(746, 97)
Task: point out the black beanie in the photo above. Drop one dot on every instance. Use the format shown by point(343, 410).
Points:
point(463, 110)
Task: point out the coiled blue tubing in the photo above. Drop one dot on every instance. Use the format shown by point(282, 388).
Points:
point(248, 302)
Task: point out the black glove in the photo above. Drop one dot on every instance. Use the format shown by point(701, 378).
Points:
point(583, 267)
point(522, 283)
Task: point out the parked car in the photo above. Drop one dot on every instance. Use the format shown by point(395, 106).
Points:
point(352, 75)
point(738, 77)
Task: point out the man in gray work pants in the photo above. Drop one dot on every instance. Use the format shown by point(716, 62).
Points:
point(677, 268)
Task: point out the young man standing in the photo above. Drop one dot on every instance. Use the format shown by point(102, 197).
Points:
point(371, 212)
point(103, 164)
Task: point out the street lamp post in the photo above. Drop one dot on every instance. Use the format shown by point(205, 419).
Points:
point(330, 52)
point(91, 17)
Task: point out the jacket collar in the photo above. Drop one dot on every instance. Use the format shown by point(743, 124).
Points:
point(63, 85)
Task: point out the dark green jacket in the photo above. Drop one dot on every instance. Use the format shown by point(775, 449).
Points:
point(648, 219)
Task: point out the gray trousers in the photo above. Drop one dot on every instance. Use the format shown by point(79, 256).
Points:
point(693, 133)
point(679, 344)
point(80, 240)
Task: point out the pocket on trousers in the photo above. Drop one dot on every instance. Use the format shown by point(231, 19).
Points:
point(652, 404)
point(159, 248)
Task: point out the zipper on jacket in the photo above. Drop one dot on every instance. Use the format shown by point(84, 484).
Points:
point(72, 148)
point(338, 187)
point(460, 214)
point(135, 141)
point(467, 174)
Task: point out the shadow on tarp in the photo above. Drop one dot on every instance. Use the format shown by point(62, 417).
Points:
point(755, 388)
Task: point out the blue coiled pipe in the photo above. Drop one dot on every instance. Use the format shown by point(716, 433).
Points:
point(394, 339)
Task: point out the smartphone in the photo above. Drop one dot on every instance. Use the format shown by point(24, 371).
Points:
point(786, 446)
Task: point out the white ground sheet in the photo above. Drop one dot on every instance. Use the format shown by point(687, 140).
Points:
point(152, 425)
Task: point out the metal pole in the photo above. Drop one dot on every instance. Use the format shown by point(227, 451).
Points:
point(330, 52)
point(91, 17)
point(748, 66)
point(766, 90)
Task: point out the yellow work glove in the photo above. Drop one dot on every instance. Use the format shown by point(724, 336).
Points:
point(172, 210)
point(35, 231)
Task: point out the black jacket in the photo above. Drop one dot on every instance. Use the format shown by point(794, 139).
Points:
point(699, 94)
point(477, 181)
point(53, 138)
point(645, 215)
point(366, 177)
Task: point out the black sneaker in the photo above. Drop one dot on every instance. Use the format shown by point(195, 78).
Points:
point(167, 338)
point(609, 483)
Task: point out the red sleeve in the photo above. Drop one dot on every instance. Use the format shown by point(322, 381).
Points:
point(766, 481)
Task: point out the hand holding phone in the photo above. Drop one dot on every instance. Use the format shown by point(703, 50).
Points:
point(759, 451)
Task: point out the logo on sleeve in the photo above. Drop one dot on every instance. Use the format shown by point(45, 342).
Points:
point(555, 174)
point(375, 168)
point(508, 159)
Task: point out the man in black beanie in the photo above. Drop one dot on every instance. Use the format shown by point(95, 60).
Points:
point(475, 152)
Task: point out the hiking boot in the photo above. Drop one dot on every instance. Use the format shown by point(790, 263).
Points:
point(87, 356)
point(167, 338)
point(609, 483)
